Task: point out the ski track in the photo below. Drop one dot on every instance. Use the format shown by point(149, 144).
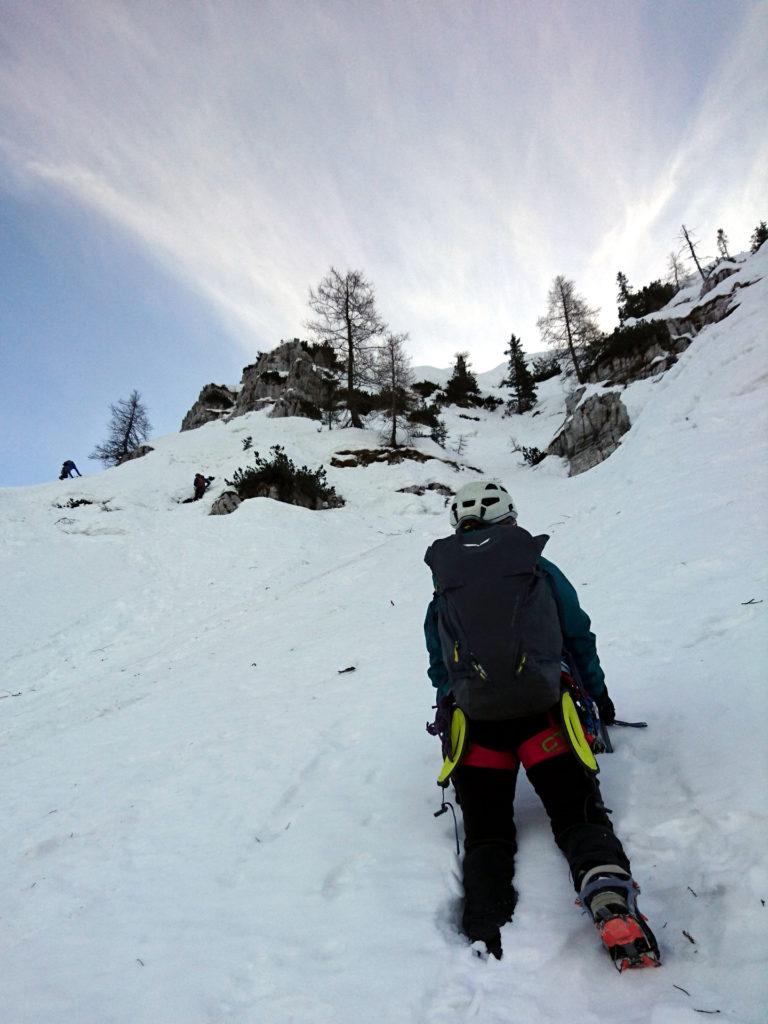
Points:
point(205, 821)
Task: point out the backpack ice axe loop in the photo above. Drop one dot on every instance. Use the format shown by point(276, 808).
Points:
point(457, 749)
point(575, 733)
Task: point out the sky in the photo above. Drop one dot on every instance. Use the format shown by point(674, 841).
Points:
point(175, 176)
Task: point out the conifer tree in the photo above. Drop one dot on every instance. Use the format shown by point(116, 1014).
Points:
point(759, 235)
point(462, 388)
point(722, 244)
point(128, 428)
point(519, 379)
point(624, 289)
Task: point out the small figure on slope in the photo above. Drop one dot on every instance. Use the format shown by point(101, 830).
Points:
point(501, 624)
point(69, 469)
point(201, 485)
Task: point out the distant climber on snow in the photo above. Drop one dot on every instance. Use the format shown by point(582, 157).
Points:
point(69, 469)
point(201, 484)
point(507, 639)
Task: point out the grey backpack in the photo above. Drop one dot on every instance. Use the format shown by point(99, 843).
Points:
point(498, 622)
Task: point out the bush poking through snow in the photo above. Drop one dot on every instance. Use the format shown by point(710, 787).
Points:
point(76, 503)
point(545, 367)
point(625, 342)
point(279, 478)
point(531, 456)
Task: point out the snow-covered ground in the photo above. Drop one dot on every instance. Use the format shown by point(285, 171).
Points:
point(205, 821)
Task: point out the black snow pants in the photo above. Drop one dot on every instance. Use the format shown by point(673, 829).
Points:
point(485, 783)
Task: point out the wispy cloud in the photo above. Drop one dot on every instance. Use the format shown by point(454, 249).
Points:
point(460, 154)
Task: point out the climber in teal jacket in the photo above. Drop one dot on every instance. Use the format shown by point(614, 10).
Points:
point(578, 641)
point(486, 752)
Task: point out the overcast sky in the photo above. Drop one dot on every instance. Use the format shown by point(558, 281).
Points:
point(175, 175)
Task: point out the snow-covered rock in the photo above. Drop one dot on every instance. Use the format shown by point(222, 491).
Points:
point(225, 503)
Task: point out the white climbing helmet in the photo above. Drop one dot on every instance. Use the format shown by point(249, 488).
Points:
point(482, 501)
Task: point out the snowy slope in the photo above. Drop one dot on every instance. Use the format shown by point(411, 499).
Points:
point(204, 821)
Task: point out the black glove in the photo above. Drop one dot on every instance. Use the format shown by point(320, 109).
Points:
point(606, 708)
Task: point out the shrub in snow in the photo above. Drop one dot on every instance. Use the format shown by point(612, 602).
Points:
point(630, 341)
point(651, 298)
point(279, 478)
point(76, 503)
point(531, 456)
point(425, 388)
point(545, 367)
point(759, 235)
point(424, 417)
point(439, 434)
point(491, 403)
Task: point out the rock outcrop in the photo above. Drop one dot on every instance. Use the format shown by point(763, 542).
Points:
point(137, 453)
point(215, 401)
point(295, 379)
point(721, 271)
point(226, 502)
point(592, 432)
point(711, 312)
point(421, 489)
point(297, 496)
point(655, 358)
point(674, 334)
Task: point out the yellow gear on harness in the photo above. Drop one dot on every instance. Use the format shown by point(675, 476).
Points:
point(458, 743)
point(575, 733)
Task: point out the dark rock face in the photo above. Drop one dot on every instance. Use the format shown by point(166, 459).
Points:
point(143, 449)
point(215, 401)
point(592, 432)
point(650, 361)
point(297, 497)
point(723, 270)
point(293, 378)
point(657, 357)
point(708, 313)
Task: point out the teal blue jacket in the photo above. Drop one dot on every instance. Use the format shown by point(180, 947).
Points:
point(578, 639)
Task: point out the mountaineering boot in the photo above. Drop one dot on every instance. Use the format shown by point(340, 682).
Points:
point(489, 896)
point(609, 894)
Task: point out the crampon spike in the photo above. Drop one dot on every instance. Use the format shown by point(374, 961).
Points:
point(629, 941)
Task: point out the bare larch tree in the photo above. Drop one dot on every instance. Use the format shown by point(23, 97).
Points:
point(675, 270)
point(690, 242)
point(393, 377)
point(128, 428)
point(346, 317)
point(569, 324)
